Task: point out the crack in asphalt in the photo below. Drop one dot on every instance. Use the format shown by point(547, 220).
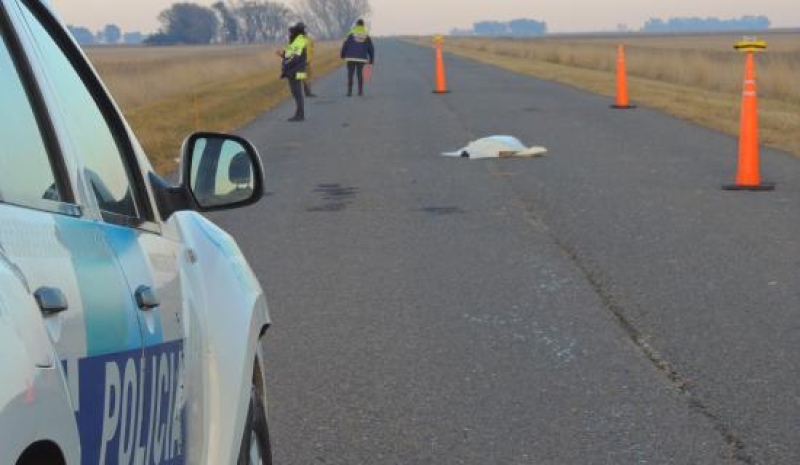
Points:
point(736, 445)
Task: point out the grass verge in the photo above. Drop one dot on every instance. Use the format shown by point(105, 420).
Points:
point(221, 103)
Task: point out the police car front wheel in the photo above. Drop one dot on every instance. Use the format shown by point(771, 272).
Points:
point(256, 448)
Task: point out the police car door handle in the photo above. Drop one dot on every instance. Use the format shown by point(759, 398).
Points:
point(50, 300)
point(145, 298)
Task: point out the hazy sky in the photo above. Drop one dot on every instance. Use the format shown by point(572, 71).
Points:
point(431, 16)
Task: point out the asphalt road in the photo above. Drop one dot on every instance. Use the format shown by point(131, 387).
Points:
point(605, 304)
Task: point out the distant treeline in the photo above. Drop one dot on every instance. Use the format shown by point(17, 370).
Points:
point(109, 35)
point(255, 21)
point(519, 28)
point(239, 22)
point(532, 27)
point(745, 23)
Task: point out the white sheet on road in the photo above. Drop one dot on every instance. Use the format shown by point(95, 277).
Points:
point(497, 147)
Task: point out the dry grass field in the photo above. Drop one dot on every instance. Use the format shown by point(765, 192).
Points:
point(694, 77)
point(168, 92)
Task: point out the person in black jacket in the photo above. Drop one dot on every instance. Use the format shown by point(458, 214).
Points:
point(294, 67)
point(357, 50)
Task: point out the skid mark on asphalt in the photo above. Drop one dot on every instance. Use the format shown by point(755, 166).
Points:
point(441, 211)
point(335, 197)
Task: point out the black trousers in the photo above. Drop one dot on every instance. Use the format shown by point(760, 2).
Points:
point(296, 86)
point(357, 68)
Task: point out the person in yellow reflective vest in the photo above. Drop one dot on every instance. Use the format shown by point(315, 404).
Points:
point(295, 67)
point(357, 51)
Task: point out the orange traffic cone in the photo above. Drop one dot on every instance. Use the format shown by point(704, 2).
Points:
point(441, 81)
point(748, 176)
point(622, 82)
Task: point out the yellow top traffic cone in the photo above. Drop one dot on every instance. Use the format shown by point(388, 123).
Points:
point(748, 176)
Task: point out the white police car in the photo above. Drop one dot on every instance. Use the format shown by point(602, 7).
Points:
point(131, 328)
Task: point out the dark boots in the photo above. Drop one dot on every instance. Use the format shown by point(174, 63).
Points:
point(299, 115)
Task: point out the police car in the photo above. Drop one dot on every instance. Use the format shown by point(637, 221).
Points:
point(131, 328)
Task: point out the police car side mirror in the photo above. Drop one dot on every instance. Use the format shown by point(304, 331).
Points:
point(217, 172)
point(221, 171)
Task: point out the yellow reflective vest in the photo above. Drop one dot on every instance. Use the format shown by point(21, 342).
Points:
point(295, 58)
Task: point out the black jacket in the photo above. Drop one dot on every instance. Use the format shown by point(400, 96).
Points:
point(358, 46)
